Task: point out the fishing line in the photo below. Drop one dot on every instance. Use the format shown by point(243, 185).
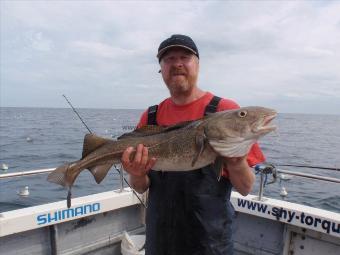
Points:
point(134, 192)
point(69, 192)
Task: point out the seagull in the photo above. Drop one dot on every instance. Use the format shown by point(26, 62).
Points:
point(4, 167)
point(24, 192)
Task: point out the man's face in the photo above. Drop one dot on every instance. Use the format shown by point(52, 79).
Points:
point(179, 71)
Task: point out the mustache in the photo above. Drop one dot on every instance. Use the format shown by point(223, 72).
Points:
point(175, 71)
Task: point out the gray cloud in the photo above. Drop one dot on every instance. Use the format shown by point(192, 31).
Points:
point(279, 54)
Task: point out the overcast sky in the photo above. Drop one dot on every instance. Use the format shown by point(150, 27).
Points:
point(102, 54)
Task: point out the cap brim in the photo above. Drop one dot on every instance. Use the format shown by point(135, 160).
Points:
point(162, 51)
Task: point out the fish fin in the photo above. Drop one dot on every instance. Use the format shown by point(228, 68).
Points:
point(200, 142)
point(143, 131)
point(91, 143)
point(218, 167)
point(180, 125)
point(154, 129)
point(100, 171)
point(58, 175)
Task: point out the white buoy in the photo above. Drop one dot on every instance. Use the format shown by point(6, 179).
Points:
point(24, 192)
point(283, 192)
point(4, 167)
point(29, 139)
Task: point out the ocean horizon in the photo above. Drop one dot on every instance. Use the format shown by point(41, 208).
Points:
point(35, 138)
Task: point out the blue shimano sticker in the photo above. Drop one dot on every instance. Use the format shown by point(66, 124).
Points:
point(67, 213)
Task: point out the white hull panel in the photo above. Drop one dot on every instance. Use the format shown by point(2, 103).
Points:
point(94, 225)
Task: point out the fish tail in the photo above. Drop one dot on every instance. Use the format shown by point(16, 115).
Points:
point(58, 176)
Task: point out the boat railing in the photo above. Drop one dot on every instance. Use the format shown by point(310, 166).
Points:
point(49, 170)
point(263, 169)
point(26, 173)
point(269, 169)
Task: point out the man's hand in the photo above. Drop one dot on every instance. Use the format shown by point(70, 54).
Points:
point(241, 175)
point(138, 167)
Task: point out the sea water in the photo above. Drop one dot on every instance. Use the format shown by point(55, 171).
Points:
point(38, 138)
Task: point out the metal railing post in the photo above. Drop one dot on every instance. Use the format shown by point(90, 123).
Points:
point(121, 175)
point(261, 186)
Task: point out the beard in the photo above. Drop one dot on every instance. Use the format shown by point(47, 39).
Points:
point(180, 83)
point(180, 88)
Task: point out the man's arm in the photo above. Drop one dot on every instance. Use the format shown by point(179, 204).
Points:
point(138, 167)
point(240, 174)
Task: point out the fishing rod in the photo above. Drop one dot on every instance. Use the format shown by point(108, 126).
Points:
point(313, 167)
point(77, 114)
point(119, 171)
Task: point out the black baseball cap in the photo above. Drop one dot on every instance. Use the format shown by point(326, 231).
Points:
point(182, 41)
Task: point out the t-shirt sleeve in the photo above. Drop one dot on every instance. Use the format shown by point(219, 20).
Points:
point(143, 119)
point(227, 104)
point(255, 155)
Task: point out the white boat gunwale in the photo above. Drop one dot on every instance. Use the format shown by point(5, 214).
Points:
point(27, 218)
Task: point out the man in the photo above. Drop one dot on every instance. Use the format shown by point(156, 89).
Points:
point(188, 212)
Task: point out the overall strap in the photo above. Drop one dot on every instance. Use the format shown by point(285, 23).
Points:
point(212, 106)
point(152, 114)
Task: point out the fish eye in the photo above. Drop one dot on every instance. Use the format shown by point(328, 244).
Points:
point(242, 114)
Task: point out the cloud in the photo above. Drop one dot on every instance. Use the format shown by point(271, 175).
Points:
point(102, 50)
point(266, 53)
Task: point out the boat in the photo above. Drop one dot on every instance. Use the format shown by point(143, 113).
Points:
point(97, 224)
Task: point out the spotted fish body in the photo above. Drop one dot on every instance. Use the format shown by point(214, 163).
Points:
point(182, 147)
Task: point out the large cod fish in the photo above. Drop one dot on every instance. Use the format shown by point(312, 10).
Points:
point(185, 146)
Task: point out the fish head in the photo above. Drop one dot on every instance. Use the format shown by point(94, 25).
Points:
point(232, 133)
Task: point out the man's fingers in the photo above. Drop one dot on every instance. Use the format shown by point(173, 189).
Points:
point(150, 164)
point(145, 155)
point(141, 164)
point(126, 156)
point(138, 155)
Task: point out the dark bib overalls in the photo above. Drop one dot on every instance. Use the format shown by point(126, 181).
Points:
point(189, 213)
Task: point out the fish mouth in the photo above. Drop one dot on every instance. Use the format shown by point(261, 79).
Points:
point(265, 126)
